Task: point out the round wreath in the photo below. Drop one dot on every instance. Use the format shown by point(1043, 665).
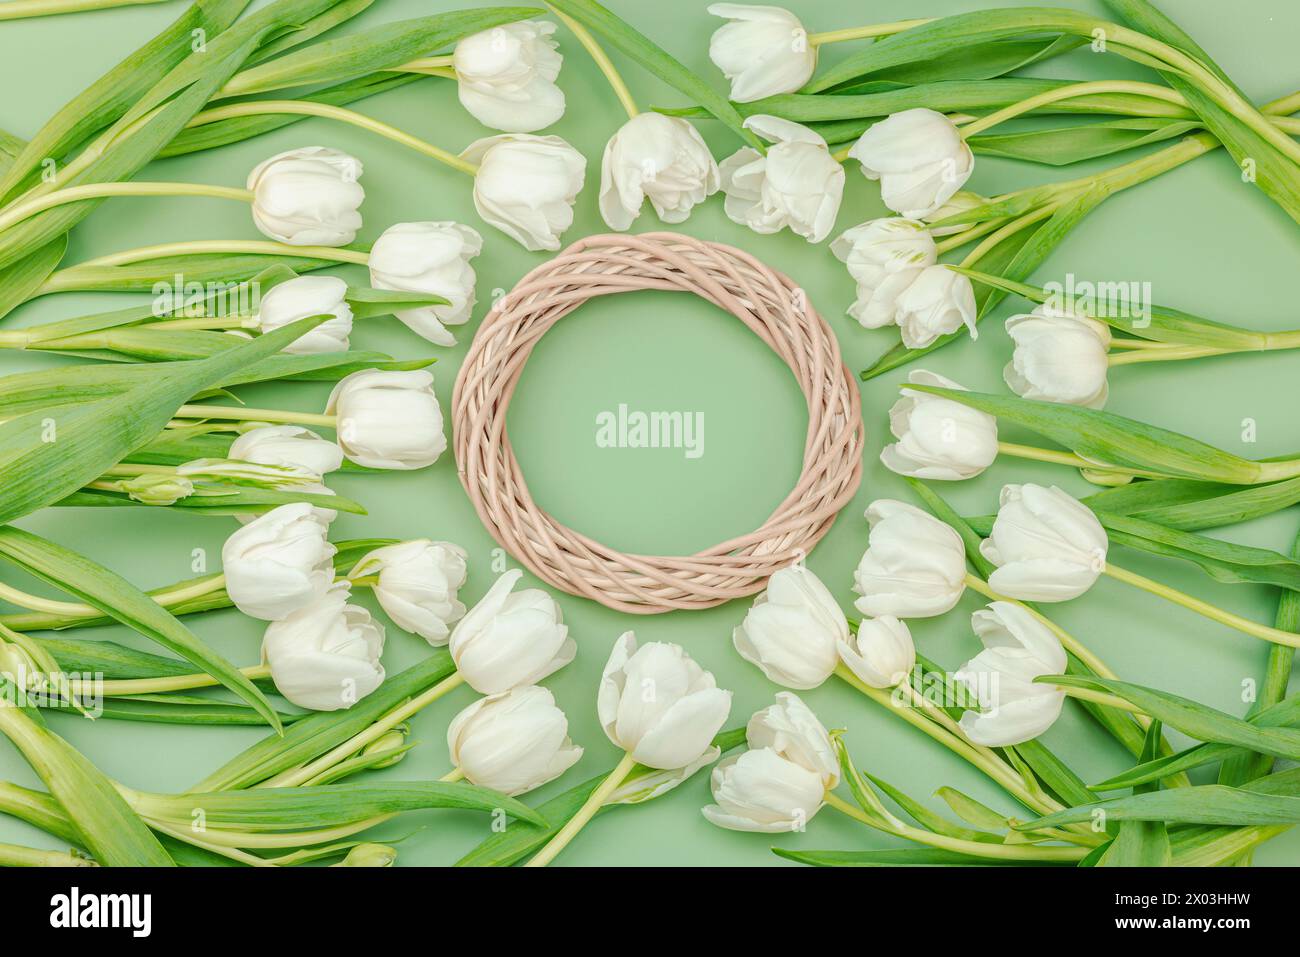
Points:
point(766, 301)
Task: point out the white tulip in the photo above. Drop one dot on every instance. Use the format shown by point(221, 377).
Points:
point(512, 742)
point(884, 257)
point(388, 420)
point(781, 782)
point(1059, 357)
point(308, 197)
point(658, 705)
point(936, 303)
point(430, 258)
point(305, 296)
point(509, 640)
point(938, 438)
point(763, 51)
point(792, 630)
point(1017, 649)
point(881, 653)
point(914, 565)
point(289, 447)
point(958, 203)
point(278, 562)
point(1046, 544)
point(919, 157)
point(325, 656)
point(506, 76)
point(526, 186)
point(650, 783)
point(418, 582)
point(797, 184)
point(660, 158)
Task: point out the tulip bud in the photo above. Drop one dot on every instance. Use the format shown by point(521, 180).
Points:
point(763, 51)
point(881, 654)
point(1048, 545)
point(936, 303)
point(278, 562)
point(658, 705)
point(325, 656)
point(884, 257)
point(289, 447)
point(512, 742)
point(1059, 357)
point(506, 76)
point(394, 741)
point(308, 197)
point(157, 489)
point(797, 184)
point(792, 629)
point(919, 157)
point(417, 586)
point(939, 439)
point(1017, 649)
point(369, 855)
point(957, 204)
point(914, 565)
point(430, 258)
point(388, 420)
point(302, 297)
point(526, 186)
point(659, 157)
point(509, 640)
point(247, 473)
point(781, 782)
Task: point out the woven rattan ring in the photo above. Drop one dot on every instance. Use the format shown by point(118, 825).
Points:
point(766, 301)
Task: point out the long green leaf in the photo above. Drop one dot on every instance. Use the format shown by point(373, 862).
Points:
point(1141, 843)
point(1202, 804)
point(1065, 145)
point(21, 278)
point(901, 857)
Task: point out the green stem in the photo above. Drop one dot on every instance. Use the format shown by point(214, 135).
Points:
point(1213, 612)
point(166, 597)
point(22, 9)
point(1152, 90)
point(864, 33)
point(308, 108)
point(602, 60)
point(13, 855)
point(1170, 354)
point(1004, 852)
point(126, 688)
point(585, 813)
point(1101, 698)
point(243, 414)
point(74, 194)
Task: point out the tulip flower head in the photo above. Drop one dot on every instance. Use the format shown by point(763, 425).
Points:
point(388, 419)
point(884, 257)
point(1046, 544)
point(658, 705)
point(793, 629)
point(289, 447)
point(506, 76)
point(798, 184)
point(511, 639)
point(431, 258)
point(417, 586)
point(920, 159)
point(660, 158)
point(1017, 649)
point(526, 186)
point(881, 652)
point(305, 296)
point(1059, 357)
point(324, 656)
point(936, 303)
point(308, 197)
point(914, 565)
point(512, 742)
point(278, 562)
point(939, 439)
point(763, 50)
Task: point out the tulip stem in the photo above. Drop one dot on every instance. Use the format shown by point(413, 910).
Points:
point(1097, 697)
point(129, 687)
point(1074, 90)
point(1213, 612)
point(325, 110)
point(585, 813)
point(72, 194)
point(13, 855)
point(864, 33)
point(240, 413)
point(430, 66)
point(602, 60)
point(74, 611)
point(392, 719)
point(1010, 852)
point(22, 9)
point(452, 776)
point(1165, 353)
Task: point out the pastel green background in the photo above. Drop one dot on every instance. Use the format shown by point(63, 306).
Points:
point(1203, 239)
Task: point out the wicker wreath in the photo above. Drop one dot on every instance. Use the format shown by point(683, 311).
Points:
point(768, 303)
